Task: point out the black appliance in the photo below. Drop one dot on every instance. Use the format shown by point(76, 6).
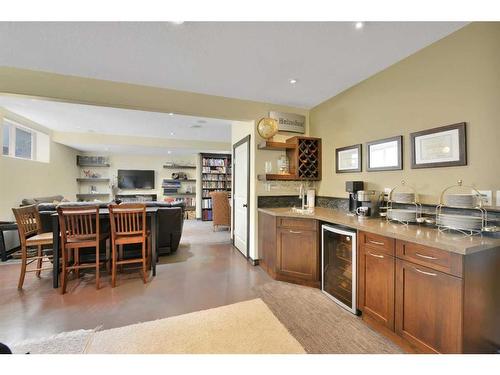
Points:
point(136, 179)
point(352, 187)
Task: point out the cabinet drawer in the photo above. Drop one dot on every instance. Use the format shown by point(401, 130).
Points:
point(436, 259)
point(293, 223)
point(377, 242)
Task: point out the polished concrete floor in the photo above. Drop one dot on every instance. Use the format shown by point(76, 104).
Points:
point(199, 276)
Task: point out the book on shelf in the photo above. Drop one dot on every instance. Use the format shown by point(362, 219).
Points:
point(206, 215)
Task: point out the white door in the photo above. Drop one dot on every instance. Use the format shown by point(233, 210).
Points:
point(240, 195)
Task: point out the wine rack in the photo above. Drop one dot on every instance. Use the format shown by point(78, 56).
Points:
point(304, 154)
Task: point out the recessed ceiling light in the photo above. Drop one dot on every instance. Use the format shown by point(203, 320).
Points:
point(359, 25)
point(172, 133)
point(171, 114)
point(169, 152)
point(293, 81)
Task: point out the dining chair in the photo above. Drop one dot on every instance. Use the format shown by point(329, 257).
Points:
point(79, 230)
point(221, 211)
point(31, 236)
point(128, 226)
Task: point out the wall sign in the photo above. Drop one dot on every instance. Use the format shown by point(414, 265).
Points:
point(289, 122)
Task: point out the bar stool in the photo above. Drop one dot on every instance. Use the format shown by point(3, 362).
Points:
point(30, 236)
point(79, 229)
point(128, 226)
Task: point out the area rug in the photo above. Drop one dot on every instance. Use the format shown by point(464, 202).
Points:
point(197, 232)
point(73, 342)
point(319, 324)
point(247, 327)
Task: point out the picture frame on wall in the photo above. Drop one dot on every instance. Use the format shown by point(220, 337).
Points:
point(445, 146)
point(385, 154)
point(348, 159)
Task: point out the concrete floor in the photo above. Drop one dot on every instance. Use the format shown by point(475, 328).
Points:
point(197, 277)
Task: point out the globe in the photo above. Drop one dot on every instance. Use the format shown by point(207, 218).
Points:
point(267, 127)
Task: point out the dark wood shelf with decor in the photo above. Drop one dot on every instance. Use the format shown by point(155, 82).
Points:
point(89, 179)
point(304, 154)
point(276, 146)
point(179, 166)
point(181, 180)
point(90, 195)
point(215, 176)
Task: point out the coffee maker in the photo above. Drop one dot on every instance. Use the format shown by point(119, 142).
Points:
point(352, 187)
point(369, 203)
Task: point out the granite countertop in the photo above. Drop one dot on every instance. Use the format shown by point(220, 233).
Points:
point(428, 236)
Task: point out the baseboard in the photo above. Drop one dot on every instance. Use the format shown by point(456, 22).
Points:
point(255, 262)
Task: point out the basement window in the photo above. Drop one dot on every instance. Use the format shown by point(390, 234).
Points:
point(21, 142)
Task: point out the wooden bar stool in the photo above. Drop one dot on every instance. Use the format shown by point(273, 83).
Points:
point(31, 236)
point(79, 229)
point(128, 226)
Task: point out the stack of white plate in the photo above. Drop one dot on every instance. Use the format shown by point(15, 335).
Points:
point(461, 222)
point(403, 197)
point(461, 200)
point(401, 214)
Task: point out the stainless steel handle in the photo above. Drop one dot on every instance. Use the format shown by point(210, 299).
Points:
point(425, 273)
point(425, 256)
point(375, 255)
point(295, 231)
point(245, 205)
point(376, 242)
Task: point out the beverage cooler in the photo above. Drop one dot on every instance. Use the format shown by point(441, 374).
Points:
point(338, 265)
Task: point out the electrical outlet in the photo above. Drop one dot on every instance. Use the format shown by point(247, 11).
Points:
point(487, 197)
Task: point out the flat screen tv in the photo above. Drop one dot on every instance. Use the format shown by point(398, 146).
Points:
point(136, 179)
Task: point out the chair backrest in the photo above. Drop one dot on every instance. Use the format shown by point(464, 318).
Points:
point(127, 219)
point(79, 223)
point(220, 208)
point(28, 221)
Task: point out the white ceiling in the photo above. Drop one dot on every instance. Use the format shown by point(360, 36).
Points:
point(247, 60)
point(78, 118)
point(140, 150)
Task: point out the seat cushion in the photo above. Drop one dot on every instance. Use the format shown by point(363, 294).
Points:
point(40, 239)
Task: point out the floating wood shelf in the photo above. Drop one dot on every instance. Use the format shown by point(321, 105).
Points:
point(90, 195)
point(277, 177)
point(180, 195)
point(276, 146)
point(177, 166)
point(181, 180)
point(92, 179)
point(90, 165)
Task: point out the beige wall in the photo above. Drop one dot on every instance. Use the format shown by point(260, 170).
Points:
point(456, 79)
point(26, 178)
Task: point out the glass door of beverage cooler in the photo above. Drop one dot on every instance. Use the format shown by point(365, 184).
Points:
point(338, 265)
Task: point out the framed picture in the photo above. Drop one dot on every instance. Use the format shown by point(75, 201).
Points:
point(445, 146)
point(385, 154)
point(348, 159)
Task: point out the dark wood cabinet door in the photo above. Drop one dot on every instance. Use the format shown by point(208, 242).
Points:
point(297, 255)
point(376, 286)
point(429, 308)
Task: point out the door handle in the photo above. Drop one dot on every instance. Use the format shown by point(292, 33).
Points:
point(425, 256)
point(425, 273)
point(245, 205)
point(375, 255)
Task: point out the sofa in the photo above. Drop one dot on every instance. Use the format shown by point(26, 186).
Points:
point(170, 220)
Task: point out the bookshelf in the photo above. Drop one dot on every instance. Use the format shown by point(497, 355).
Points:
point(92, 184)
point(182, 188)
point(215, 176)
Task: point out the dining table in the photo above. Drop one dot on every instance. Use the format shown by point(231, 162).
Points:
point(151, 213)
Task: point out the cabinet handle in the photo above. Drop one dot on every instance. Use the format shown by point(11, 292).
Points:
point(375, 255)
point(425, 256)
point(295, 231)
point(376, 242)
point(425, 273)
